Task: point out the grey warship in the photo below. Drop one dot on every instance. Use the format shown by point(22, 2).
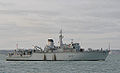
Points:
point(63, 52)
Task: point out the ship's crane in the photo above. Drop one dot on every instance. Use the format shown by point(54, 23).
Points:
point(37, 48)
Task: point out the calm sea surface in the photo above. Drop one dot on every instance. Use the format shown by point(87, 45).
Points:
point(111, 65)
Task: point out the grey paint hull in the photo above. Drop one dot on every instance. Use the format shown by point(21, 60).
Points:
point(70, 56)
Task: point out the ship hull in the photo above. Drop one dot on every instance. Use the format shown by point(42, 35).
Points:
point(67, 56)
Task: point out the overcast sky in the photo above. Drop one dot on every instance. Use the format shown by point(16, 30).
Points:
point(93, 23)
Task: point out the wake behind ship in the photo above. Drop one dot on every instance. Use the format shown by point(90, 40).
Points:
point(63, 52)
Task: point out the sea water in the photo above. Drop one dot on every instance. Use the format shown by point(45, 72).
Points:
point(111, 65)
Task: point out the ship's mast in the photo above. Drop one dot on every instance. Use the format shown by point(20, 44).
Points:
point(109, 47)
point(17, 46)
point(60, 39)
